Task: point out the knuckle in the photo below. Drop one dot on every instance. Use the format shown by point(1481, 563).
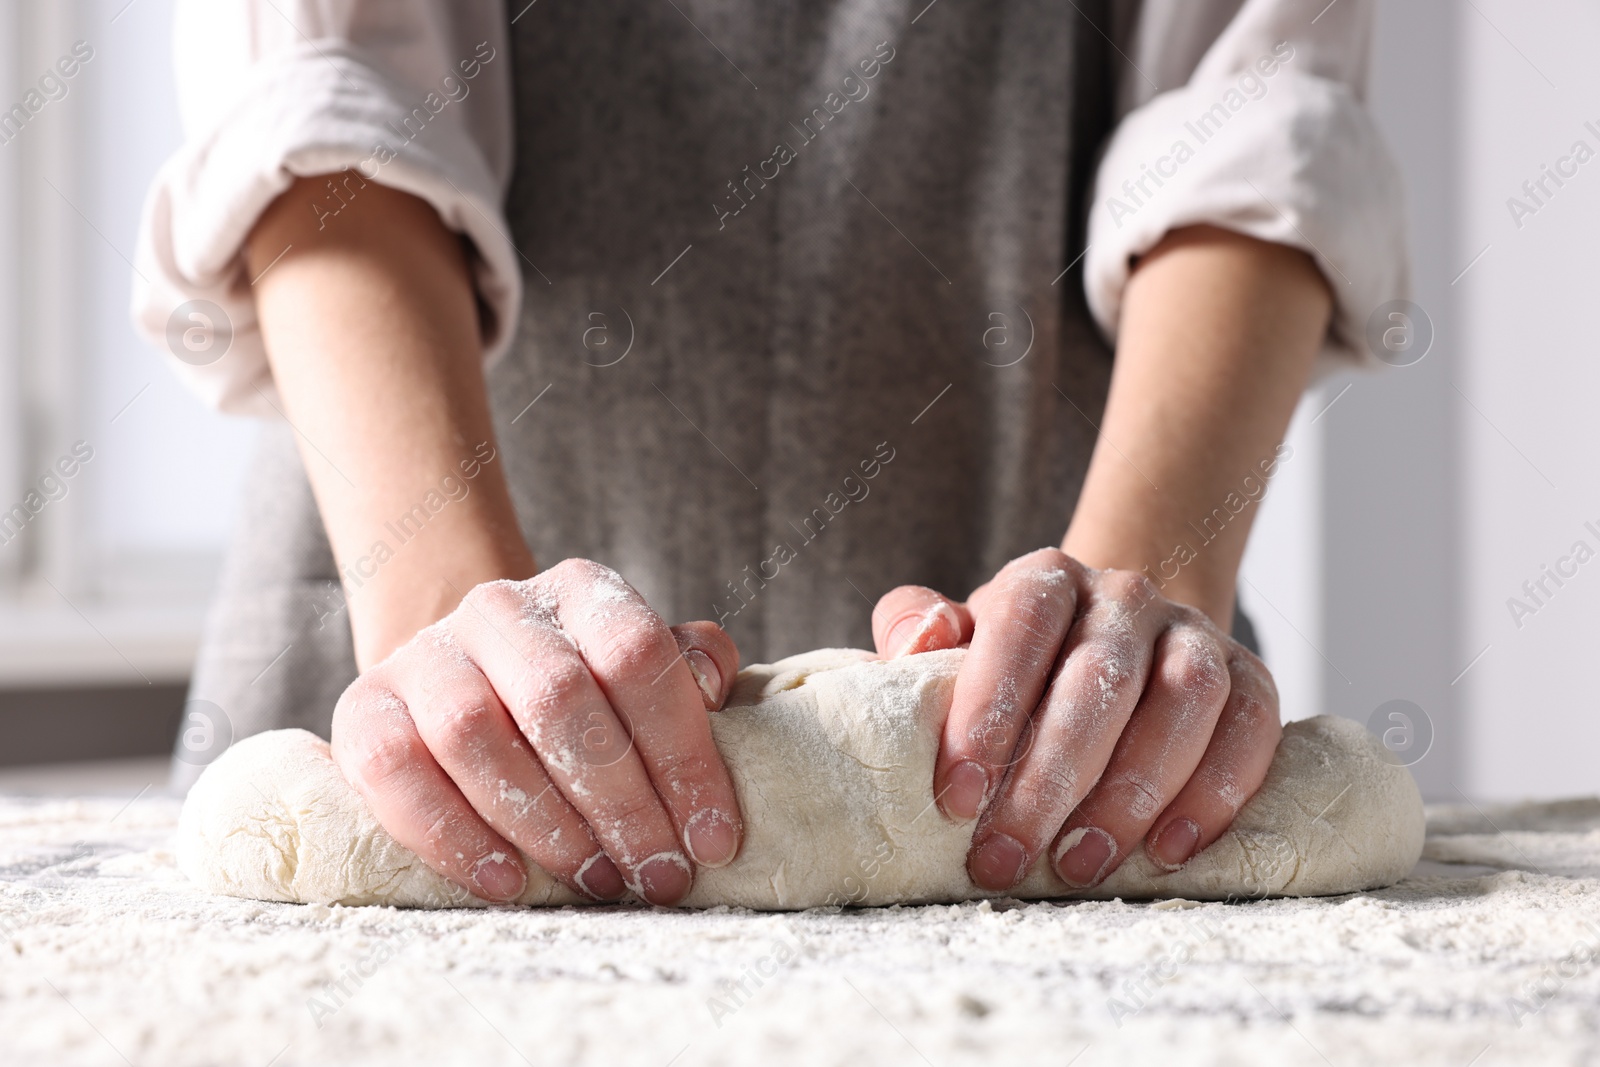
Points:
point(1258, 715)
point(1035, 625)
point(357, 696)
point(1251, 675)
point(443, 835)
point(550, 840)
point(571, 567)
point(382, 761)
point(1047, 585)
point(581, 573)
point(1055, 782)
point(992, 736)
point(494, 599)
point(1127, 587)
point(1250, 717)
point(553, 693)
point(1048, 572)
point(630, 648)
point(1110, 626)
point(685, 771)
point(1196, 667)
point(638, 809)
point(1102, 667)
point(1047, 560)
point(1141, 798)
point(465, 727)
point(368, 708)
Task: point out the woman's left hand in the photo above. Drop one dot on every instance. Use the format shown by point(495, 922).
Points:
point(1090, 713)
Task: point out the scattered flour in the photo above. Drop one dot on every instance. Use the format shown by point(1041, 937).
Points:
point(109, 955)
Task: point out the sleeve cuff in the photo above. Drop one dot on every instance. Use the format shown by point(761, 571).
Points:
point(306, 112)
point(1300, 164)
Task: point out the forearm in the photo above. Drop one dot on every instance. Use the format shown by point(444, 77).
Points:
point(371, 330)
point(1217, 338)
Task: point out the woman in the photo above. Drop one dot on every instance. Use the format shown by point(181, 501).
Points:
point(766, 315)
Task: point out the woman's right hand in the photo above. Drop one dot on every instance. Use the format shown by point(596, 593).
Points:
point(559, 716)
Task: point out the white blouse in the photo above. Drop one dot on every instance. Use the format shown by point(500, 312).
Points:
point(1244, 114)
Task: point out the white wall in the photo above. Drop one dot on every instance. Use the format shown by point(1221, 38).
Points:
point(1441, 488)
point(1391, 493)
point(1280, 584)
point(1531, 369)
point(1351, 572)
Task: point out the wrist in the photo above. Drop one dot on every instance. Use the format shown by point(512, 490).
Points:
point(393, 600)
point(1214, 596)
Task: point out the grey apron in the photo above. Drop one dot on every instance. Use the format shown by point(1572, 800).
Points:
point(796, 331)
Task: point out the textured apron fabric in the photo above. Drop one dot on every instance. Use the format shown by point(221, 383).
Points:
point(796, 331)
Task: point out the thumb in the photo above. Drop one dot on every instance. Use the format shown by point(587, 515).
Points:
point(913, 618)
point(712, 657)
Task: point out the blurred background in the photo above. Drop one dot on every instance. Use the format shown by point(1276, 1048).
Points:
point(1417, 502)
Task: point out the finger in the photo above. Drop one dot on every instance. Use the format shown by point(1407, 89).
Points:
point(377, 748)
point(635, 660)
point(712, 657)
point(1157, 754)
point(1074, 732)
point(471, 735)
point(913, 618)
point(1233, 767)
point(590, 755)
point(1026, 611)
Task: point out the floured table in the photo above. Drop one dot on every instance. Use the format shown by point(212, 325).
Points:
point(1489, 953)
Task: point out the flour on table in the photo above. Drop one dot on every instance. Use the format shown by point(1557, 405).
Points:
point(832, 754)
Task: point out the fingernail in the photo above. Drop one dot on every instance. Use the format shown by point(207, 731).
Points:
point(498, 877)
point(712, 838)
point(906, 633)
point(706, 675)
point(600, 878)
point(1174, 845)
point(664, 878)
point(997, 863)
point(1083, 856)
point(965, 789)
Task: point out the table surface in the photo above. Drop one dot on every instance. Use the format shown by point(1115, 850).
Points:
point(1489, 953)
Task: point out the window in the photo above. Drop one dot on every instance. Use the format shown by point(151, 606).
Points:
point(126, 484)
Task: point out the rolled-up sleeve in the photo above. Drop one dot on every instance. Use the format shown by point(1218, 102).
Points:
point(1251, 117)
point(412, 94)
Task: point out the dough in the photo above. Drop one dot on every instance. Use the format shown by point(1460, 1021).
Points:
point(832, 753)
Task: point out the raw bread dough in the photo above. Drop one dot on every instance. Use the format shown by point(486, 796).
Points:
point(832, 754)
